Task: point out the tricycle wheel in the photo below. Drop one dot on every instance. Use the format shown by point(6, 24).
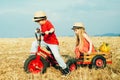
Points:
point(72, 64)
point(33, 65)
point(99, 62)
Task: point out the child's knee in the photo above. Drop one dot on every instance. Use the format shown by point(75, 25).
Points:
point(34, 43)
point(34, 47)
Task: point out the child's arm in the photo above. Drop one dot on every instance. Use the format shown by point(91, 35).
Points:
point(50, 31)
point(90, 42)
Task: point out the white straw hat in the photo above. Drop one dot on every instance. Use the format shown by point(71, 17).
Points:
point(78, 25)
point(39, 15)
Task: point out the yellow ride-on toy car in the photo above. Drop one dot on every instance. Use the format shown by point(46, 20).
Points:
point(96, 60)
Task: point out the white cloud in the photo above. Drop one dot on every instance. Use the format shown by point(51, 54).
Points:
point(15, 11)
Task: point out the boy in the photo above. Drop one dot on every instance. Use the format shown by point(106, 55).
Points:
point(49, 39)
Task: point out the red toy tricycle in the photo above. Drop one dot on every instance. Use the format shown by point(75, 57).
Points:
point(39, 62)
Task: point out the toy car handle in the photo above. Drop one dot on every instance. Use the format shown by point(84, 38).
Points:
point(37, 31)
point(36, 36)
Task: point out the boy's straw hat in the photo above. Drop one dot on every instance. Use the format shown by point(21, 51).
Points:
point(39, 16)
point(78, 25)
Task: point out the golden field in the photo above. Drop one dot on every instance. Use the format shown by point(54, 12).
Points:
point(14, 51)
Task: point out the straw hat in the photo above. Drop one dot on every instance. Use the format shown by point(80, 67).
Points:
point(39, 16)
point(78, 25)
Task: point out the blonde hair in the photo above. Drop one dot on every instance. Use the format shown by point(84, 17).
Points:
point(80, 37)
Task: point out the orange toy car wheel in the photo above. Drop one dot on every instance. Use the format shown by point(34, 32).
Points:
point(72, 67)
point(99, 62)
point(72, 64)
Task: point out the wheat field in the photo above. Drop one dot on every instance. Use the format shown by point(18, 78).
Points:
point(14, 51)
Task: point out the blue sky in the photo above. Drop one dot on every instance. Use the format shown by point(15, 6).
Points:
point(99, 16)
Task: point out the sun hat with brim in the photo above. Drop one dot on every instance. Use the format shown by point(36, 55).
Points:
point(40, 15)
point(78, 25)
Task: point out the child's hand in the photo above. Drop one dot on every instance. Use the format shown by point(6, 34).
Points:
point(89, 52)
point(50, 31)
point(47, 32)
point(37, 30)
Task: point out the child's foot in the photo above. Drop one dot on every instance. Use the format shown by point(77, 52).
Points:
point(65, 71)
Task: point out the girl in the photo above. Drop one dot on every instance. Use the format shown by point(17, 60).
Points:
point(49, 39)
point(83, 42)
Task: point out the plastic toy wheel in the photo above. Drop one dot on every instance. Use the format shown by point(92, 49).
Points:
point(99, 62)
point(72, 64)
point(35, 66)
point(72, 67)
